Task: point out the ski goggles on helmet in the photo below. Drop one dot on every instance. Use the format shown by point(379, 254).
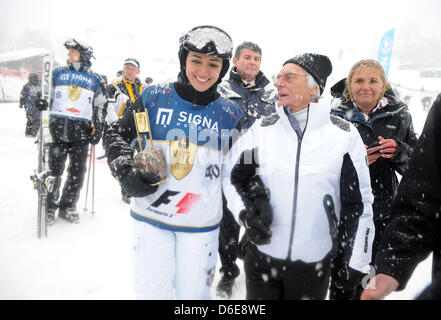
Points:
point(72, 43)
point(86, 51)
point(208, 40)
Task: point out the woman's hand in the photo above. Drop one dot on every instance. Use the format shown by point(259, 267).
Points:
point(389, 147)
point(373, 153)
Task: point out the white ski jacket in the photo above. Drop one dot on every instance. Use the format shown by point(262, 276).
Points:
point(307, 177)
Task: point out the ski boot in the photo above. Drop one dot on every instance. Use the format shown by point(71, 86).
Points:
point(69, 214)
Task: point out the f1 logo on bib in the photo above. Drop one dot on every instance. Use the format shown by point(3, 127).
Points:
point(185, 204)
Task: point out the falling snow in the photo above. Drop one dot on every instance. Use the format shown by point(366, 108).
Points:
point(89, 260)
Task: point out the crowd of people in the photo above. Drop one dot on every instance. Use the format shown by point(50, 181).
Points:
point(310, 184)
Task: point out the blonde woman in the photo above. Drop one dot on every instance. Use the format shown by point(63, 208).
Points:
point(385, 125)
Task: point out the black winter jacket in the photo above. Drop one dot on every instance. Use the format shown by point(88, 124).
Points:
point(416, 230)
point(28, 95)
point(255, 101)
point(391, 122)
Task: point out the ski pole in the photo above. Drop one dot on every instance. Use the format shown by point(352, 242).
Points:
point(93, 181)
point(87, 183)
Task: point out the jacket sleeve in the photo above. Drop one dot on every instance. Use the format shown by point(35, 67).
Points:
point(406, 140)
point(23, 95)
point(415, 232)
point(99, 105)
point(118, 138)
point(112, 112)
point(356, 230)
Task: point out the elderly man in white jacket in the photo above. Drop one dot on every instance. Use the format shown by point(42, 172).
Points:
point(304, 187)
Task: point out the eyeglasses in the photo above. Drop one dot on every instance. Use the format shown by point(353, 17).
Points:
point(288, 76)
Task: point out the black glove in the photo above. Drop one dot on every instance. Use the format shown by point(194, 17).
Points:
point(257, 216)
point(139, 183)
point(41, 104)
point(110, 91)
point(95, 137)
point(345, 284)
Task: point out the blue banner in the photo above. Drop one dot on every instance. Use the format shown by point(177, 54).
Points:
point(385, 50)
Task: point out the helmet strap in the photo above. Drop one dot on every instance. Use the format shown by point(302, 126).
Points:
point(77, 66)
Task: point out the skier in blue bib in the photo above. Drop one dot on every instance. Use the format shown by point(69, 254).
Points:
point(76, 118)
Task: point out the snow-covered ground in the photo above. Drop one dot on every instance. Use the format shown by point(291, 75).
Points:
point(89, 260)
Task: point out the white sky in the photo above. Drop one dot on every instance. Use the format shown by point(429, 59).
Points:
point(149, 30)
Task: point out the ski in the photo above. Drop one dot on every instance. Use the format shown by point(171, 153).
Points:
point(42, 179)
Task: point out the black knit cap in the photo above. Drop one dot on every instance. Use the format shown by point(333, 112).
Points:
point(317, 65)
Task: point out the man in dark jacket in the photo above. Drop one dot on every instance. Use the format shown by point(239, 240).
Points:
point(415, 231)
point(390, 119)
point(28, 94)
point(252, 91)
point(76, 118)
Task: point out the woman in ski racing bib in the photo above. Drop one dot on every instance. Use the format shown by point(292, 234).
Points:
point(176, 222)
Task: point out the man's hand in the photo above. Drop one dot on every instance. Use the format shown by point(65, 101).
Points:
point(379, 287)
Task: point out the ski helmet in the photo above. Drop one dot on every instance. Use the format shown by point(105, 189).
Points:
point(148, 81)
point(86, 51)
point(209, 40)
point(33, 79)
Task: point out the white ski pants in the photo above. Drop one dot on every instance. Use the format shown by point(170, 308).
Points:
point(169, 264)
